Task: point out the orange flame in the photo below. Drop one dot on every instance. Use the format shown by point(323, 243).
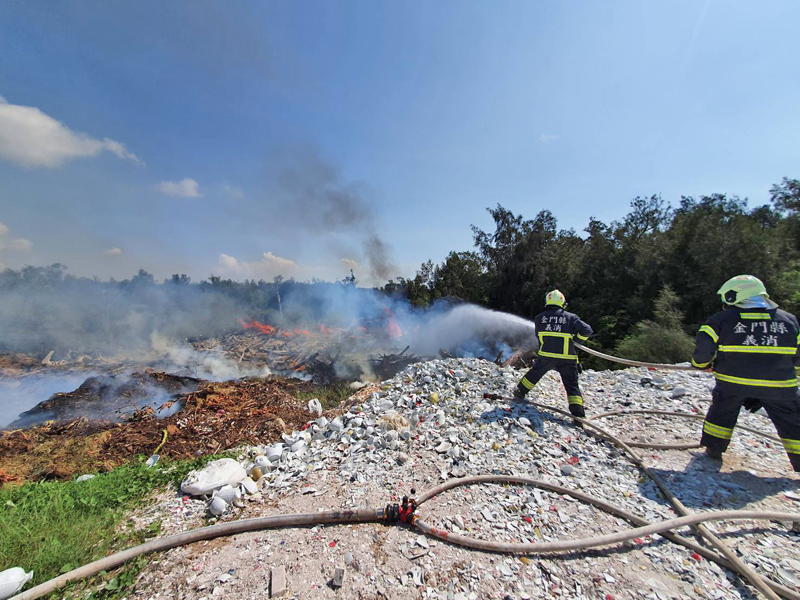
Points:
point(392, 328)
point(265, 329)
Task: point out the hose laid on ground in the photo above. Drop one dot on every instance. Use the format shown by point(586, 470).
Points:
point(379, 515)
point(197, 535)
point(634, 363)
point(592, 542)
point(758, 582)
point(601, 504)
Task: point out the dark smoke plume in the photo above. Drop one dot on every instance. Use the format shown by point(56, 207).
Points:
point(321, 203)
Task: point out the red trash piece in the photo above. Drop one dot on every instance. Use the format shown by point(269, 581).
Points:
point(638, 540)
point(609, 597)
point(696, 556)
point(573, 460)
point(332, 544)
point(527, 519)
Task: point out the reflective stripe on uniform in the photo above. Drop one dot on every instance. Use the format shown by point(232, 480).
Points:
point(700, 365)
point(760, 349)
point(782, 383)
point(755, 316)
point(791, 446)
point(710, 331)
point(575, 400)
point(526, 384)
point(724, 433)
point(554, 355)
point(583, 338)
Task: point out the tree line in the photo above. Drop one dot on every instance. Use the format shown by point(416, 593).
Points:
point(647, 280)
point(645, 283)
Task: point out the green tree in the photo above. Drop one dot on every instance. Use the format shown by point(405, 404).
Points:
point(461, 275)
point(662, 339)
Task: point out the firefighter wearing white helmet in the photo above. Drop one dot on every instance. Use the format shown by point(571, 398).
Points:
point(752, 348)
point(557, 329)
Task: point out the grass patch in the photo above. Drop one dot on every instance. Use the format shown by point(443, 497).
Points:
point(330, 396)
point(55, 526)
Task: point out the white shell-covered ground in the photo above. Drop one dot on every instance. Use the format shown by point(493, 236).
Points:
point(431, 423)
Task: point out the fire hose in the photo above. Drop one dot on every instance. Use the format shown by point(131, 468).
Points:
point(634, 363)
point(405, 513)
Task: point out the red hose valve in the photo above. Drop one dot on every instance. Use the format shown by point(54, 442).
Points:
point(404, 513)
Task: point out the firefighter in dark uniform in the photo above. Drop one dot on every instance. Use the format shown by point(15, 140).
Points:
point(556, 329)
point(752, 345)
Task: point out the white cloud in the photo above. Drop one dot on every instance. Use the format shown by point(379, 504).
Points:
point(185, 188)
point(16, 245)
point(3, 267)
point(233, 191)
point(268, 266)
point(547, 137)
point(30, 138)
point(112, 252)
point(228, 262)
point(13, 244)
point(350, 264)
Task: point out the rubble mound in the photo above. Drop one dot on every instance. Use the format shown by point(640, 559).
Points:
point(432, 422)
point(110, 397)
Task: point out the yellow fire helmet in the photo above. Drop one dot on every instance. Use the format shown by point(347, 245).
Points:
point(740, 288)
point(555, 297)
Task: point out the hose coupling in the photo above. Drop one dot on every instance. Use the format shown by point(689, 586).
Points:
point(402, 513)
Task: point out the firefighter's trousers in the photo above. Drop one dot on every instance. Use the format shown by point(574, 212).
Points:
point(724, 411)
point(569, 371)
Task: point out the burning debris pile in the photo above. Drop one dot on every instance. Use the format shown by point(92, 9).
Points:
point(322, 354)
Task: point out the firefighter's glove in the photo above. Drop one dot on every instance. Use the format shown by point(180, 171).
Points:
point(580, 368)
point(752, 404)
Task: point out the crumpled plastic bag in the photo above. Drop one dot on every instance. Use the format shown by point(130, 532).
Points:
point(315, 406)
point(12, 581)
point(213, 476)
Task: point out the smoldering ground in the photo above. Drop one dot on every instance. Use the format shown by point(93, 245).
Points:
point(140, 320)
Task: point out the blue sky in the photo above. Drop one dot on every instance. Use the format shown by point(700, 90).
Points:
point(159, 135)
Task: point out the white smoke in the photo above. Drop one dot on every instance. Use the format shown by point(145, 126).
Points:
point(464, 325)
point(210, 364)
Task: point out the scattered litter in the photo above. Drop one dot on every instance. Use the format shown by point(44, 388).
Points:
point(375, 449)
point(217, 506)
point(338, 578)
point(277, 582)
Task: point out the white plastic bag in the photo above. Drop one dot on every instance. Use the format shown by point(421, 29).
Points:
point(315, 406)
point(12, 581)
point(213, 476)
